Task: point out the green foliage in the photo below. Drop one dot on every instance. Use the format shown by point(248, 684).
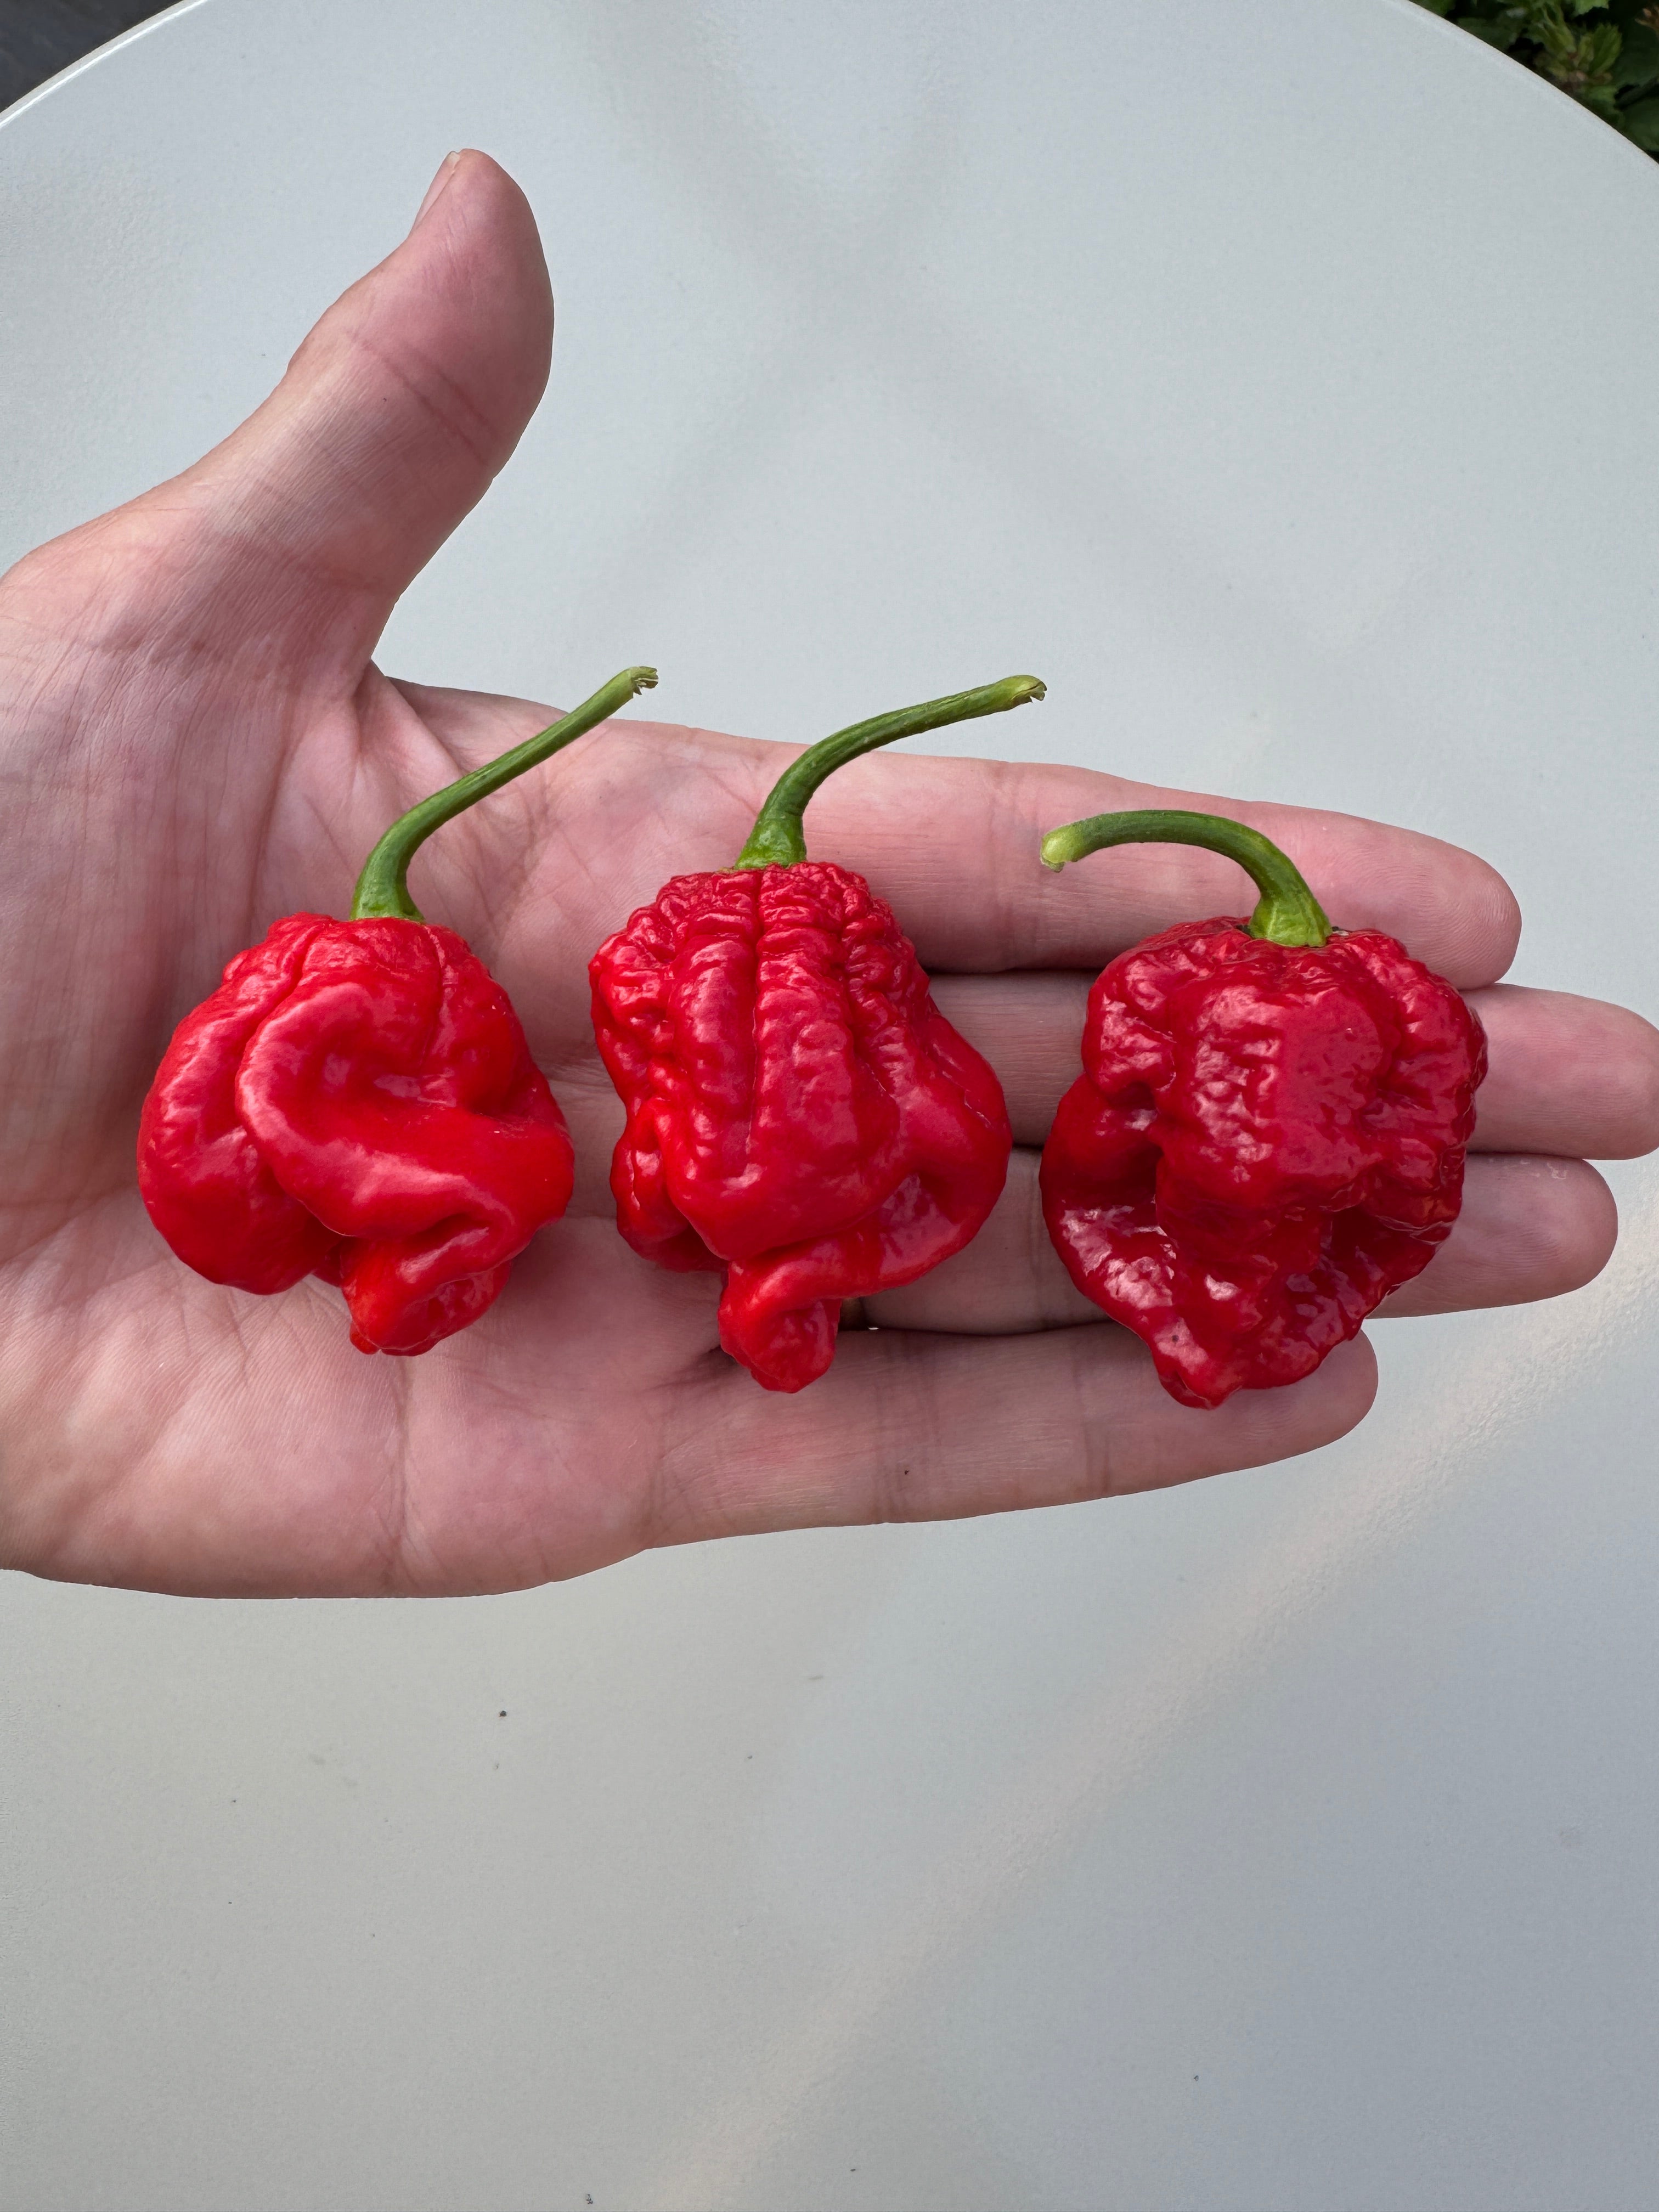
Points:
point(1605, 53)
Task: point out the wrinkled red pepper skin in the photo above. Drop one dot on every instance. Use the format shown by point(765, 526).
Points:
point(1265, 1141)
point(357, 1100)
point(800, 1115)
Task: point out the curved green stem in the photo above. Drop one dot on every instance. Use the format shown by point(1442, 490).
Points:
point(1287, 912)
point(777, 839)
point(383, 887)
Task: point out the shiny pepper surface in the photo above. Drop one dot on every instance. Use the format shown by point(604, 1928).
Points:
point(800, 1115)
point(1266, 1139)
point(357, 1100)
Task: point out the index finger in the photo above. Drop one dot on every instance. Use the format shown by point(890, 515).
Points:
point(953, 845)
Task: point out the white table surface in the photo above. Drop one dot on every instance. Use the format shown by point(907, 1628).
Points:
point(1277, 378)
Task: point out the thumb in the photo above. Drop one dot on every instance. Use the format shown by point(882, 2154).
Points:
point(393, 417)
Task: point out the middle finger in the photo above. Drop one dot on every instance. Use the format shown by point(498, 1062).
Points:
point(1569, 1076)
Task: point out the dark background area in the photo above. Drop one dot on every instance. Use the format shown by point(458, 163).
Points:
point(38, 38)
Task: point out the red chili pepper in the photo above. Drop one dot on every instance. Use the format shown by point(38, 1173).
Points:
point(357, 1100)
point(800, 1116)
point(1269, 1132)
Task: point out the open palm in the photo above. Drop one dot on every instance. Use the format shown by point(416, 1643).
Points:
point(196, 741)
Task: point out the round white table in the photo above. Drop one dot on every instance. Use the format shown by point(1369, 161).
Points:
point(1278, 381)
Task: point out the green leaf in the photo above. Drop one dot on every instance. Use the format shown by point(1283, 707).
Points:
point(1503, 35)
point(1599, 50)
point(1437, 7)
point(1641, 125)
point(1536, 19)
point(1639, 62)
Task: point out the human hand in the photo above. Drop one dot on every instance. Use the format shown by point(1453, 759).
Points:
point(196, 741)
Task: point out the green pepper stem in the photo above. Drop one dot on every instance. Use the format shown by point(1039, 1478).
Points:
point(383, 887)
point(1287, 912)
point(777, 839)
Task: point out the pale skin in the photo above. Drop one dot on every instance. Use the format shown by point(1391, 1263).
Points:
point(197, 741)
